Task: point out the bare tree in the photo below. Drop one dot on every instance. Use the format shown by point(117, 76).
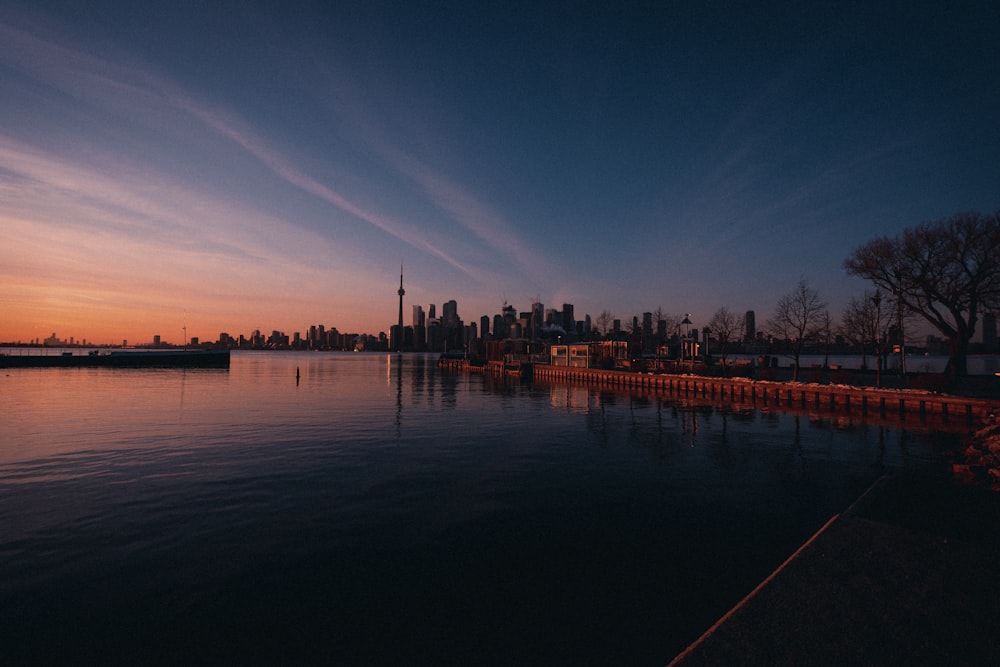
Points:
point(604, 322)
point(826, 331)
point(947, 271)
point(798, 316)
point(670, 324)
point(863, 324)
point(727, 326)
point(633, 327)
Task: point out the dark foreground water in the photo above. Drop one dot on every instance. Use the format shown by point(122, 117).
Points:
point(381, 511)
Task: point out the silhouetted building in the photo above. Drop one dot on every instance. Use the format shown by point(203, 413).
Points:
point(449, 315)
point(537, 318)
point(399, 333)
point(751, 324)
point(499, 327)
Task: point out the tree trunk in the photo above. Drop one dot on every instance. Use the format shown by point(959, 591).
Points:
point(958, 359)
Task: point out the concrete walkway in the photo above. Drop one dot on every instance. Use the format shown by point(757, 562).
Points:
point(909, 575)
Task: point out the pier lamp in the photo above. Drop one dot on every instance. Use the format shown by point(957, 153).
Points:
point(687, 333)
point(898, 290)
point(877, 300)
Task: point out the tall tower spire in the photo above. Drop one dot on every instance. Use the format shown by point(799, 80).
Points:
point(399, 329)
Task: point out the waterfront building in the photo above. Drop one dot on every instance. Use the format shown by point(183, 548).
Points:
point(751, 327)
point(449, 315)
point(537, 318)
point(435, 336)
point(499, 327)
point(509, 314)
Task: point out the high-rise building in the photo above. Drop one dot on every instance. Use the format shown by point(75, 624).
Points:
point(751, 324)
point(449, 315)
point(499, 327)
point(568, 322)
point(418, 316)
point(537, 318)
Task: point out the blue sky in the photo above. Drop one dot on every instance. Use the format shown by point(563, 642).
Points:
point(235, 166)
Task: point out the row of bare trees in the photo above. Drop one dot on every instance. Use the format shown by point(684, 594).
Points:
point(945, 272)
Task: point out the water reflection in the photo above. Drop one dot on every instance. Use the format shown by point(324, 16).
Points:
point(389, 493)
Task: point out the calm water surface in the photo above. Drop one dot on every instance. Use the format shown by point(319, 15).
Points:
point(381, 511)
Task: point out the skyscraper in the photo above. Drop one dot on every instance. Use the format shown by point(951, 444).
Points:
point(568, 321)
point(751, 321)
point(449, 314)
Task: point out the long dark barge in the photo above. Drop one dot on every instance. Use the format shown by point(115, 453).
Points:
point(120, 359)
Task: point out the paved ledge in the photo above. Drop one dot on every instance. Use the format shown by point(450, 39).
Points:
point(909, 575)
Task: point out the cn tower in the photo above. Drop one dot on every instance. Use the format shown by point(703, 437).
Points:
point(399, 329)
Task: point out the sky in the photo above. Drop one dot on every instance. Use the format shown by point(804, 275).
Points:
point(239, 166)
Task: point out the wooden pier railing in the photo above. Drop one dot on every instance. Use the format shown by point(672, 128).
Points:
point(900, 405)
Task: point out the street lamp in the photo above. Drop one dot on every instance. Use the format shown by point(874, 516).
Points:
point(706, 334)
point(687, 334)
point(898, 289)
point(877, 300)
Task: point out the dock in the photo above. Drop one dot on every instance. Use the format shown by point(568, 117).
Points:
point(121, 359)
point(893, 405)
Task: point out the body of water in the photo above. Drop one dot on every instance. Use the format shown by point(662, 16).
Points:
point(378, 510)
point(980, 364)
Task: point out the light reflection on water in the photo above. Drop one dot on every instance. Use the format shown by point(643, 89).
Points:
point(377, 509)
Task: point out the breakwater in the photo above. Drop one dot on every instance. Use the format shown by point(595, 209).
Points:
point(902, 405)
point(893, 406)
point(121, 359)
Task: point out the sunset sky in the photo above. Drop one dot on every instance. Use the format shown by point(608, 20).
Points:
point(241, 166)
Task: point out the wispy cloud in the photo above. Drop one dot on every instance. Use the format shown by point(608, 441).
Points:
point(469, 213)
point(136, 92)
point(228, 126)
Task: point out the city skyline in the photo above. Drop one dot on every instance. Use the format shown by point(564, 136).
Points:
point(163, 167)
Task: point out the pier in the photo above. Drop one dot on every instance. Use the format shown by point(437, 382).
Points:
point(895, 404)
point(120, 359)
